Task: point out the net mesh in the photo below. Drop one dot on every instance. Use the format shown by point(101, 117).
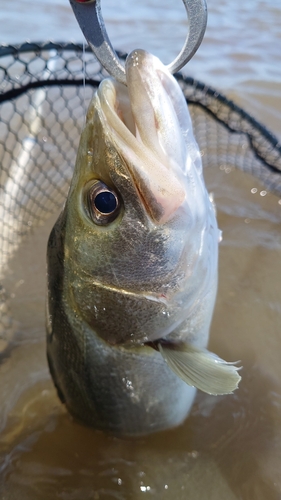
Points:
point(44, 93)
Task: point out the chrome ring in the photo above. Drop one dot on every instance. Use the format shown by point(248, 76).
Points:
point(89, 16)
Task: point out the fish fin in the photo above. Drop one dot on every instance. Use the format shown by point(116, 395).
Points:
point(201, 368)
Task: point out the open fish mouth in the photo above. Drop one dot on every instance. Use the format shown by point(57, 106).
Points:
point(146, 122)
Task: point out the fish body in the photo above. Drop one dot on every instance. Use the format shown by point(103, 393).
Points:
point(132, 263)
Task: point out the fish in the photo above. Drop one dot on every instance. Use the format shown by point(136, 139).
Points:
point(132, 263)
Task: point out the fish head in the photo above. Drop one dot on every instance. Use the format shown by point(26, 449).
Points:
point(141, 237)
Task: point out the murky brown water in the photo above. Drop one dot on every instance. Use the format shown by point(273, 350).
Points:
point(230, 447)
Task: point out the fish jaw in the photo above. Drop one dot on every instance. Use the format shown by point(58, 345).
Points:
point(149, 124)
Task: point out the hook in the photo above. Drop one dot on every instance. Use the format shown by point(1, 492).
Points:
point(89, 17)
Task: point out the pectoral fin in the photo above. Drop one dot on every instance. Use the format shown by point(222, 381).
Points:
point(201, 368)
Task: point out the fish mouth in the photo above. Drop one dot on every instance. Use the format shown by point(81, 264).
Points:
point(146, 123)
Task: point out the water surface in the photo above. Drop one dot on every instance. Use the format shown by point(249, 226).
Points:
point(230, 447)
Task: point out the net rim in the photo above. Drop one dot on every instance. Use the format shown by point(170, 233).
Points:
point(185, 81)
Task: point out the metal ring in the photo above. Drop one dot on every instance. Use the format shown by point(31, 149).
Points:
point(89, 16)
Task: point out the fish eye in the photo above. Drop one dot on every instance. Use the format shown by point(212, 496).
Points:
point(103, 203)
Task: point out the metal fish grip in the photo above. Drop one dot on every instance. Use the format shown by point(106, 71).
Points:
point(45, 89)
